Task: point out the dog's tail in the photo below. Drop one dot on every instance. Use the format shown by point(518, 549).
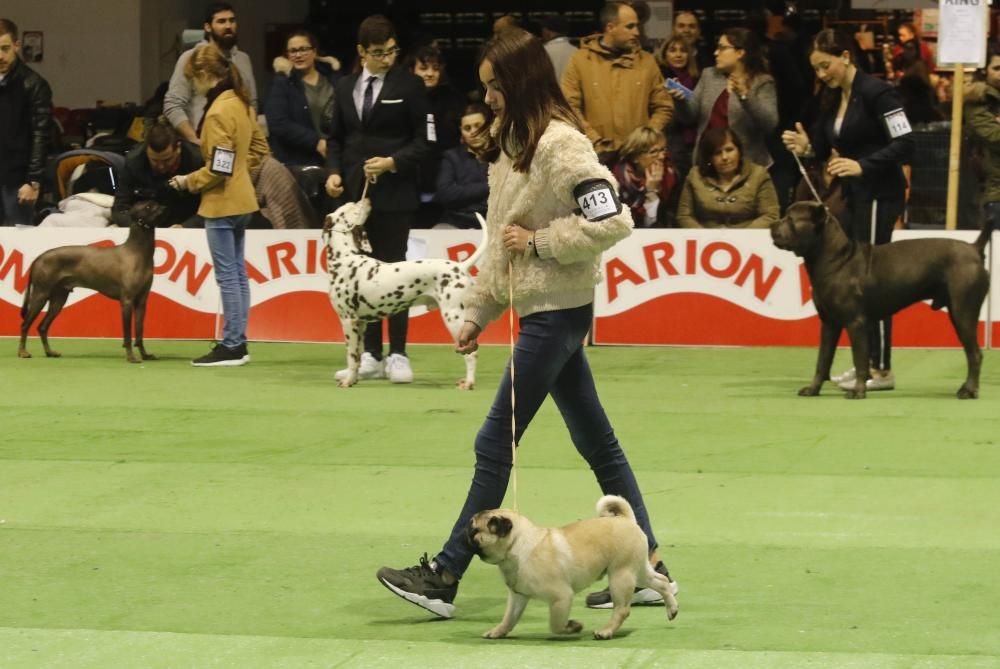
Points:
point(613, 505)
point(467, 264)
point(984, 237)
point(27, 293)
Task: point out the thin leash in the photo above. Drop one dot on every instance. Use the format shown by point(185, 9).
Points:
point(513, 402)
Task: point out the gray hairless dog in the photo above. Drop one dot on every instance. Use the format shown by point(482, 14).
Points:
point(123, 273)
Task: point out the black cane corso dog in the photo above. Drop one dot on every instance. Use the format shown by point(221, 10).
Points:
point(855, 283)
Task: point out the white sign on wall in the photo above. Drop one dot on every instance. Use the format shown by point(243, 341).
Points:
point(962, 29)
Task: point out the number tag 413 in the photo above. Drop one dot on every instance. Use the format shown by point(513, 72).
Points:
point(597, 199)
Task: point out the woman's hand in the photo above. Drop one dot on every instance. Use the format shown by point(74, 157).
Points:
point(468, 338)
point(843, 167)
point(321, 147)
point(516, 238)
point(178, 182)
point(654, 175)
point(737, 85)
point(796, 141)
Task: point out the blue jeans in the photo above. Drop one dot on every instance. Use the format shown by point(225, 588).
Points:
point(14, 213)
point(549, 360)
point(226, 237)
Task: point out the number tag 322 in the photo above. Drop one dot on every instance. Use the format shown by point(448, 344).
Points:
point(597, 199)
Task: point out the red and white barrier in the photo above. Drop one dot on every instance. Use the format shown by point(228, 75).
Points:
point(671, 287)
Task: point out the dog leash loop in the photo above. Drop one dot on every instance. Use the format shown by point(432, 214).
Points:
point(805, 176)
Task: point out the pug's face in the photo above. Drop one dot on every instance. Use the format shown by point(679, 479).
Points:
point(491, 533)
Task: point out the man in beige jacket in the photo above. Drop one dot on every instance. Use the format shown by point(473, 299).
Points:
point(613, 85)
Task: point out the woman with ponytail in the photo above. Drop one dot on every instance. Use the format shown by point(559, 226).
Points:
point(231, 144)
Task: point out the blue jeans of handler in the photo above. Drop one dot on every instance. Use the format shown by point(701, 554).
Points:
point(226, 238)
point(549, 360)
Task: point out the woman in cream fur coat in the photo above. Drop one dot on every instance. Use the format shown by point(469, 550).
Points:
point(552, 211)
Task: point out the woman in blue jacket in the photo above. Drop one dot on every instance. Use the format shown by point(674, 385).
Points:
point(300, 104)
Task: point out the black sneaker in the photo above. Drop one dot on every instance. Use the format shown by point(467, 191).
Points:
point(222, 356)
point(641, 597)
point(244, 351)
point(422, 585)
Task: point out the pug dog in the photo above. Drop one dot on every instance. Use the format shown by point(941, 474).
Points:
point(553, 564)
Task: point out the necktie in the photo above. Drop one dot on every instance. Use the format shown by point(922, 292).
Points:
point(366, 105)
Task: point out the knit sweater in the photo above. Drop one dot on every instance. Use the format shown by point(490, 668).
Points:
point(563, 270)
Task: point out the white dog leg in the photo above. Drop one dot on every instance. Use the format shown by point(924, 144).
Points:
point(353, 332)
point(515, 607)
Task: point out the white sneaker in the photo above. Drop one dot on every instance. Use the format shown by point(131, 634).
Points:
point(877, 382)
point(845, 377)
point(370, 368)
point(397, 368)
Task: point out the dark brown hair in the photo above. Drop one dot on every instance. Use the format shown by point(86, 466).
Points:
point(754, 61)
point(692, 66)
point(711, 142)
point(375, 29)
point(833, 42)
point(161, 136)
point(532, 97)
point(305, 34)
point(8, 27)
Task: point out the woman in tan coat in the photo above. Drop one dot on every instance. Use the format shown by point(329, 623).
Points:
point(231, 144)
point(725, 190)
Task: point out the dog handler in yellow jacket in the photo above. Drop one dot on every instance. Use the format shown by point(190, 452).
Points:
point(231, 144)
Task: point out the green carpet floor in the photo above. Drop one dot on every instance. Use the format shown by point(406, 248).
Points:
point(158, 515)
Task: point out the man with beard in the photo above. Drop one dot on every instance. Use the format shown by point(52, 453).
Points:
point(182, 106)
point(25, 117)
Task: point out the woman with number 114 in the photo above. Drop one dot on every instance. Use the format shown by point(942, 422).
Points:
point(863, 137)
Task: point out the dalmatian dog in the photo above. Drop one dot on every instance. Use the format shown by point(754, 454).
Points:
point(363, 289)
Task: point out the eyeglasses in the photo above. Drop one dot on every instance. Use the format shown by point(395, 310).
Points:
point(379, 55)
point(300, 49)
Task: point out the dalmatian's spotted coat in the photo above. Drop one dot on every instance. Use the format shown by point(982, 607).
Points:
point(363, 289)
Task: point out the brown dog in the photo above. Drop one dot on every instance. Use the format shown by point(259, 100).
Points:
point(123, 273)
point(854, 284)
point(553, 564)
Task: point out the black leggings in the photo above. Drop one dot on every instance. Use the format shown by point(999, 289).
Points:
point(872, 221)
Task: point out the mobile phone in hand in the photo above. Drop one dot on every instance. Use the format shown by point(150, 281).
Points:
point(676, 85)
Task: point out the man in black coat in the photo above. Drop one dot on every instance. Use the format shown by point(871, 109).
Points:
point(148, 169)
point(25, 119)
point(383, 129)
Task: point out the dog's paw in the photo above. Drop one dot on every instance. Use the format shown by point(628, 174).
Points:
point(149, 356)
point(573, 627)
point(967, 393)
point(672, 611)
point(497, 632)
point(53, 354)
point(23, 354)
point(604, 634)
point(808, 391)
point(346, 383)
point(462, 384)
point(855, 394)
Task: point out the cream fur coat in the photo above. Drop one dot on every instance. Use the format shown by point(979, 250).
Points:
point(563, 273)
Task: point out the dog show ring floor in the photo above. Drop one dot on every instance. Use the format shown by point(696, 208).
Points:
point(159, 515)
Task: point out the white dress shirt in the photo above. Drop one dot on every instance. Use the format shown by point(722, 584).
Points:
point(362, 83)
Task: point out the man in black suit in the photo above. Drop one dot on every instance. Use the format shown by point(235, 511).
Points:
point(383, 129)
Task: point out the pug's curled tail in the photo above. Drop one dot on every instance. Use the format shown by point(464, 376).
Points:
point(613, 505)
